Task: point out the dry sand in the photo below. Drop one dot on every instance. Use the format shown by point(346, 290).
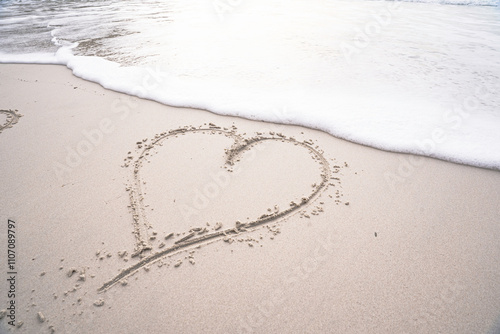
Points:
point(135, 217)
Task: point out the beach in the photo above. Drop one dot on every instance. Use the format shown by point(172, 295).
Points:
point(276, 228)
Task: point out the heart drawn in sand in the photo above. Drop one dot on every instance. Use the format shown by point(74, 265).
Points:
point(12, 118)
point(142, 226)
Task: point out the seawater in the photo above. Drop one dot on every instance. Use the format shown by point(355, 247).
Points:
point(409, 76)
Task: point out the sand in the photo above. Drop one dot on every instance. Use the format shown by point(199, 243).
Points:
point(135, 217)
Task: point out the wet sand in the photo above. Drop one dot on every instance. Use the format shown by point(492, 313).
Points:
point(132, 216)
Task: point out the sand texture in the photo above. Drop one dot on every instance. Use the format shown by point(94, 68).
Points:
point(136, 217)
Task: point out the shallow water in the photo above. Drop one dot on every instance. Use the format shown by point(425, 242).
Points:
point(419, 77)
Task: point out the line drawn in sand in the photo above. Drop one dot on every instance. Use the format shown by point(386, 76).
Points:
point(12, 118)
point(240, 145)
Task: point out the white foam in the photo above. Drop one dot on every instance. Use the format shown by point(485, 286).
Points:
point(398, 76)
point(32, 58)
point(459, 2)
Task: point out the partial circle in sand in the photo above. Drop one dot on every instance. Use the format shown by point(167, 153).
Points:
point(11, 119)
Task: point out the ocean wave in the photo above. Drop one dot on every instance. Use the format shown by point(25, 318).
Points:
point(495, 3)
point(388, 74)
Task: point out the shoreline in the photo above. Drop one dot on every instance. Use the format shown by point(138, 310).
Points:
point(395, 243)
point(428, 146)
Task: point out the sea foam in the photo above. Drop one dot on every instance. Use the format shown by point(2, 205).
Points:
point(421, 78)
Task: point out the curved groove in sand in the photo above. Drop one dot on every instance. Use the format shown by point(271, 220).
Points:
point(12, 118)
point(240, 145)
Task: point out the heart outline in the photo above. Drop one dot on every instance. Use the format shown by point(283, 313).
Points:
point(141, 224)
